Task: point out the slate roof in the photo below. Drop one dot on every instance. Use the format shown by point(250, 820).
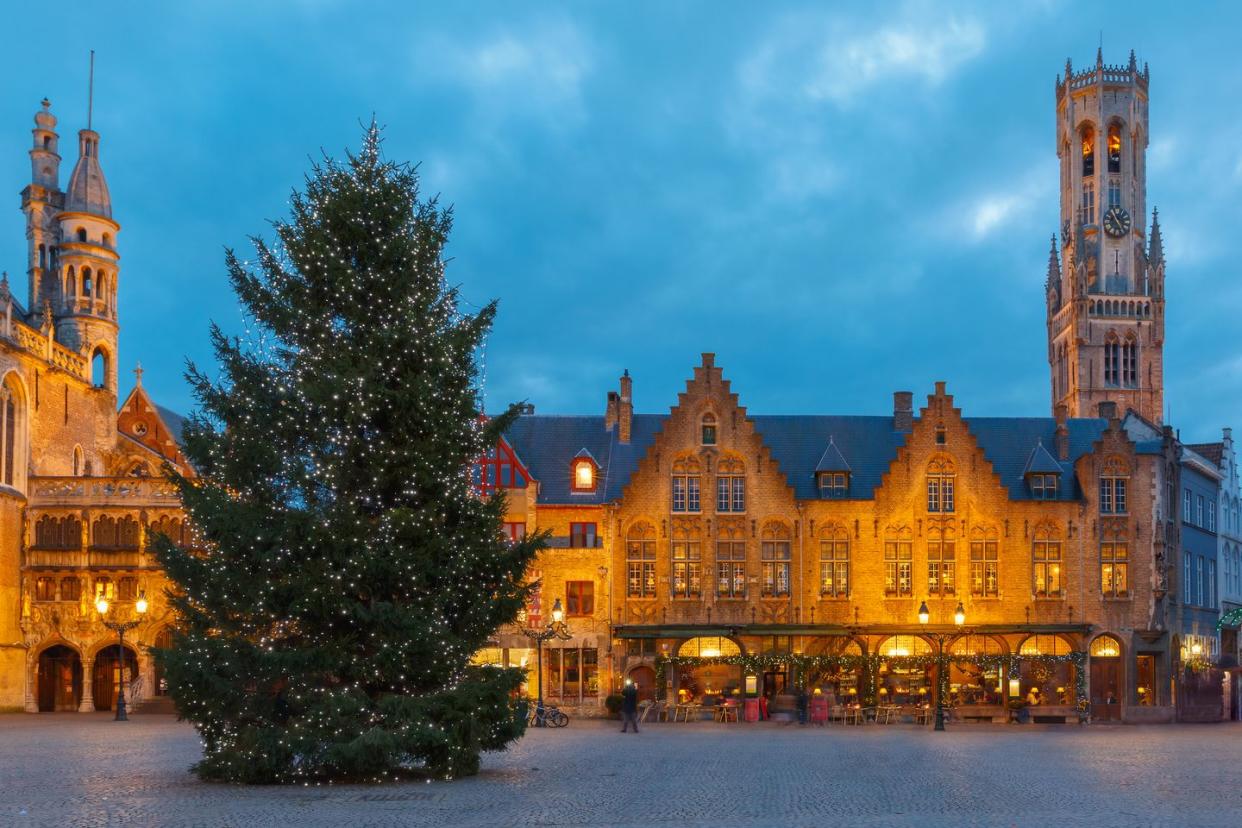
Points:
point(1041, 462)
point(1211, 452)
point(547, 444)
point(832, 461)
point(174, 421)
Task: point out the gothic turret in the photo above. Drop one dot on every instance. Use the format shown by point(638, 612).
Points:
point(85, 296)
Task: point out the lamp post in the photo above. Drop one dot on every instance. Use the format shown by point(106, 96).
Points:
point(557, 629)
point(959, 618)
point(120, 628)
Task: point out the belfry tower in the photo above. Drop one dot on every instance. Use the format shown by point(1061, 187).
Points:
point(1105, 285)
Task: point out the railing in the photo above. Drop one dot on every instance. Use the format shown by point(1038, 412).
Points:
point(134, 695)
point(58, 558)
point(95, 491)
point(89, 559)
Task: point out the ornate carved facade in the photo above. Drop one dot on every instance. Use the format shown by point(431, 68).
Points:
point(79, 485)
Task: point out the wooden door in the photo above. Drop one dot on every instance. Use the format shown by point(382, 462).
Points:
point(108, 676)
point(644, 682)
point(1106, 688)
point(59, 680)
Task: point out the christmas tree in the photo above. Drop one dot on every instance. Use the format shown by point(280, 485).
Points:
point(345, 569)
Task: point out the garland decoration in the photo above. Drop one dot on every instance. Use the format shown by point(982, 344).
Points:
point(869, 667)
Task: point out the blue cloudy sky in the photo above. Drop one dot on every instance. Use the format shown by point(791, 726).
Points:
point(839, 202)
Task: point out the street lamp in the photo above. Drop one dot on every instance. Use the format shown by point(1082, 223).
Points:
point(120, 628)
point(959, 618)
point(557, 629)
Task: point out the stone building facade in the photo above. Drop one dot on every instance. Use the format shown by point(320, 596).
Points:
point(726, 552)
point(79, 477)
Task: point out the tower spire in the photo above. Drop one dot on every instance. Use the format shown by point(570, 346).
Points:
point(1054, 267)
point(1155, 250)
point(90, 93)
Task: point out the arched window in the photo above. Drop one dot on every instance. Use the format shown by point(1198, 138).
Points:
point(45, 589)
point(42, 255)
point(81, 234)
point(1112, 360)
point(112, 533)
point(169, 526)
point(79, 461)
point(70, 588)
point(101, 285)
point(99, 368)
point(976, 645)
point(708, 430)
point(640, 561)
point(1105, 646)
point(1114, 148)
point(940, 489)
point(901, 646)
point(709, 647)
point(107, 239)
point(12, 435)
point(58, 533)
point(1088, 151)
point(1047, 645)
point(834, 562)
point(1129, 362)
point(86, 281)
point(71, 283)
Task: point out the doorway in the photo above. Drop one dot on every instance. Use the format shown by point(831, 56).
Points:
point(108, 675)
point(60, 680)
point(644, 682)
point(1106, 679)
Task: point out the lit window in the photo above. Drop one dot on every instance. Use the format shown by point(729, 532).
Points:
point(1046, 568)
point(940, 486)
point(984, 573)
point(834, 565)
point(640, 561)
point(584, 475)
point(1114, 149)
point(898, 564)
point(579, 597)
point(1088, 152)
point(775, 557)
point(1114, 570)
point(731, 569)
point(941, 568)
point(687, 570)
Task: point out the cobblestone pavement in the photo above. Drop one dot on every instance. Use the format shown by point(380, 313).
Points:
point(86, 770)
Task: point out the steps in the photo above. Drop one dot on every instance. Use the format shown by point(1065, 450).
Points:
point(156, 704)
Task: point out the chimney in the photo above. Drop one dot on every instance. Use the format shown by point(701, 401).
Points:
point(625, 408)
point(610, 411)
point(1107, 410)
point(1062, 440)
point(903, 410)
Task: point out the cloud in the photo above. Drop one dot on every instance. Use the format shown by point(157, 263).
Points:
point(823, 58)
point(535, 69)
point(983, 213)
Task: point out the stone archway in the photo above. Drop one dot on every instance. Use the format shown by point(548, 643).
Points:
point(106, 674)
point(59, 679)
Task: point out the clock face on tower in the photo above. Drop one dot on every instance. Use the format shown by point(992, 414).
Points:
point(1116, 222)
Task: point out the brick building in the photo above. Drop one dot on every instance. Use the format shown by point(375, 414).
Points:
point(711, 551)
point(79, 477)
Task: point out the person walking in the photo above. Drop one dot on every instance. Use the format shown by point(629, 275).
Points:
point(629, 706)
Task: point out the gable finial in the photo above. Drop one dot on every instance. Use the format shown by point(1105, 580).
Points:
point(138, 374)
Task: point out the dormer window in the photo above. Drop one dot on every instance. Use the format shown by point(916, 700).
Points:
point(708, 432)
point(1043, 486)
point(583, 475)
point(834, 484)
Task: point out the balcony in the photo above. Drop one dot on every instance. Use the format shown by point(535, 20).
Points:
point(135, 492)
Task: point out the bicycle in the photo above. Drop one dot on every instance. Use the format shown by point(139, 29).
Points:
point(547, 716)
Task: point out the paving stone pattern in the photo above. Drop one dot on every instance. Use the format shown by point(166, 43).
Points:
point(86, 770)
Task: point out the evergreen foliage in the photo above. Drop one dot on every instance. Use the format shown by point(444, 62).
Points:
point(345, 571)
